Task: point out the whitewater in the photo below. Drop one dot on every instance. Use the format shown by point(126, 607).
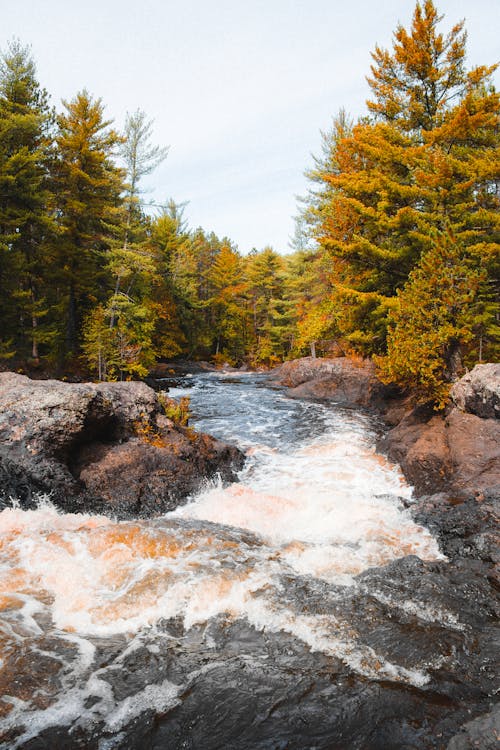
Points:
point(314, 502)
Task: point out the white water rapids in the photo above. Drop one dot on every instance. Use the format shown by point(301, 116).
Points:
point(314, 499)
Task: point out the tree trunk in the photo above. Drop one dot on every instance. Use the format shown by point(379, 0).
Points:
point(313, 349)
point(71, 325)
point(34, 348)
point(454, 361)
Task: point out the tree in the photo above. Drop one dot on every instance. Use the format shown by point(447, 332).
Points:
point(26, 225)
point(227, 304)
point(140, 156)
point(130, 256)
point(90, 186)
point(269, 310)
point(190, 267)
point(427, 161)
point(415, 86)
point(431, 321)
point(169, 236)
point(308, 288)
point(124, 351)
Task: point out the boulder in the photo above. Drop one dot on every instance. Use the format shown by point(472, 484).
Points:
point(419, 444)
point(341, 380)
point(459, 453)
point(483, 732)
point(465, 528)
point(104, 447)
point(478, 392)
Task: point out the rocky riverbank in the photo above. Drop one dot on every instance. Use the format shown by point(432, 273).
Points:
point(457, 452)
point(413, 664)
point(107, 448)
point(453, 461)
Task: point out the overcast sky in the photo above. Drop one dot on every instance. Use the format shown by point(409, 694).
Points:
point(238, 89)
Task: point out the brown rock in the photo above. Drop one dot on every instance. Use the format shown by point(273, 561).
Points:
point(459, 453)
point(150, 478)
point(342, 380)
point(474, 446)
point(105, 447)
point(419, 444)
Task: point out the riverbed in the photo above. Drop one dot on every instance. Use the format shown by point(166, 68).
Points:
point(247, 618)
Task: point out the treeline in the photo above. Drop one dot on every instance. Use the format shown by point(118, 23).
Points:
point(404, 211)
point(396, 244)
point(89, 279)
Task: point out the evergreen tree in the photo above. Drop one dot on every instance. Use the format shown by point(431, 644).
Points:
point(431, 321)
point(169, 236)
point(269, 310)
point(124, 351)
point(227, 304)
point(89, 186)
point(130, 257)
point(426, 162)
point(26, 227)
point(416, 84)
point(308, 287)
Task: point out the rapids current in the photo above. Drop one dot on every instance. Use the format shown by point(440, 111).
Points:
point(315, 506)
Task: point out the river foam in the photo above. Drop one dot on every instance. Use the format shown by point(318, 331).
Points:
point(314, 500)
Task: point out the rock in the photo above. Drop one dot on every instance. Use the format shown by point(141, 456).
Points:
point(104, 447)
point(483, 733)
point(226, 684)
point(474, 445)
point(342, 380)
point(478, 392)
point(421, 449)
point(464, 528)
point(459, 453)
point(150, 478)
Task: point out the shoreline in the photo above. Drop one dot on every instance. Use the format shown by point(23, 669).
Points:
point(457, 702)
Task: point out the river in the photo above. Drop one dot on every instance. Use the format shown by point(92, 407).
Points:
point(153, 633)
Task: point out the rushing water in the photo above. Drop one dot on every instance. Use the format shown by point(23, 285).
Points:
point(314, 502)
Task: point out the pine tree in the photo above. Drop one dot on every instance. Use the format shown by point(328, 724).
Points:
point(308, 288)
point(26, 226)
point(90, 186)
point(169, 236)
point(124, 351)
point(431, 322)
point(130, 257)
point(426, 162)
point(227, 305)
point(416, 84)
point(269, 310)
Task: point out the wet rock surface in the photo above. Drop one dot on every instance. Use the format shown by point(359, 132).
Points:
point(458, 453)
point(106, 448)
point(465, 527)
point(453, 461)
point(483, 732)
point(226, 685)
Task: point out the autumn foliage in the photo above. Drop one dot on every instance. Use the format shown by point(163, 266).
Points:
point(405, 207)
point(395, 251)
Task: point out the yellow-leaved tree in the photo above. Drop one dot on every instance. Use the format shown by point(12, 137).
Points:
point(431, 321)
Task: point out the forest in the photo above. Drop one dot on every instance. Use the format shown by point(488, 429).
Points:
point(395, 254)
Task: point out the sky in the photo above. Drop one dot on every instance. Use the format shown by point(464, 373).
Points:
point(239, 90)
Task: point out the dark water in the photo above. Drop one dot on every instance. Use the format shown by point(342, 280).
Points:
point(238, 621)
